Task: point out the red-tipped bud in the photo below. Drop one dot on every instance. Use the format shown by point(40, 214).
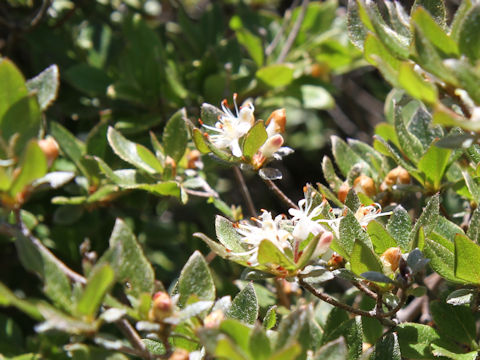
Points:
point(272, 145)
point(162, 307)
point(193, 159)
point(180, 354)
point(50, 148)
point(336, 262)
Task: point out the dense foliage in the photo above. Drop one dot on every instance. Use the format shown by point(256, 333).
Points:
point(117, 173)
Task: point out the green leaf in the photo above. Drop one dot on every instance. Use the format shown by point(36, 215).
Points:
point(435, 8)
point(316, 97)
point(135, 154)
point(275, 75)
point(352, 331)
point(380, 237)
point(99, 283)
point(379, 56)
point(416, 85)
point(162, 188)
point(456, 322)
point(88, 79)
point(45, 85)
point(271, 256)
point(415, 340)
point(175, 135)
point(200, 142)
point(458, 18)
point(472, 186)
point(227, 350)
point(126, 258)
point(474, 227)
point(13, 86)
point(433, 164)
point(468, 41)
point(356, 29)
point(441, 352)
point(329, 174)
point(8, 298)
point(255, 138)
point(333, 350)
point(427, 220)
point(210, 114)
point(259, 344)
point(387, 348)
point(252, 43)
point(22, 119)
point(287, 353)
point(350, 230)
point(227, 234)
point(433, 31)
point(461, 297)
point(399, 226)
point(345, 158)
point(467, 253)
point(195, 280)
point(71, 146)
point(244, 306)
point(33, 166)
point(410, 144)
point(441, 260)
point(290, 328)
point(270, 319)
point(363, 259)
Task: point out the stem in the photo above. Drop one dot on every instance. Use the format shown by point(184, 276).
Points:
point(282, 296)
point(278, 36)
point(72, 275)
point(293, 34)
point(244, 190)
point(279, 193)
point(131, 334)
point(332, 301)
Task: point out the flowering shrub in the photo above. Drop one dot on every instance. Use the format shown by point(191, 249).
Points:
point(382, 262)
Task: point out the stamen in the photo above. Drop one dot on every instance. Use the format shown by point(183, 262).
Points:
point(200, 121)
point(235, 101)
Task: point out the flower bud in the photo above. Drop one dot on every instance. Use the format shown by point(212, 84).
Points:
point(180, 354)
point(395, 177)
point(335, 262)
point(323, 244)
point(276, 122)
point(193, 160)
point(267, 150)
point(162, 307)
point(343, 191)
point(172, 165)
point(213, 320)
point(391, 258)
point(365, 185)
point(50, 148)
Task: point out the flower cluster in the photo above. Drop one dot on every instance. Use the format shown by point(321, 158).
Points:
point(228, 132)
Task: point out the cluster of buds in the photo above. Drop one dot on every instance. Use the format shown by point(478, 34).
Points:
point(397, 176)
point(228, 132)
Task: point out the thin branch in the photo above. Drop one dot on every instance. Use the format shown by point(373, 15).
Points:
point(365, 289)
point(40, 14)
point(131, 334)
point(279, 193)
point(281, 295)
point(278, 36)
point(244, 190)
point(332, 301)
point(293, 34)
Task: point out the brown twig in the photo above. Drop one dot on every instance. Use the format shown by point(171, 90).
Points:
point(328, 299)
point(293, 34)
point(281, 295)
point(279, 193)
point(244, 190)
point(131, 334)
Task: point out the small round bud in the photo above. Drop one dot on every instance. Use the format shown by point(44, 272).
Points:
point(276, 122)
point(213, 320)
point(50, 148)
point(180, 354)
point(336, 262)
point(396, 176)
point(343, 191)
point(391, 258)
point(169, 162)
point(162, 307)
point(365, 185)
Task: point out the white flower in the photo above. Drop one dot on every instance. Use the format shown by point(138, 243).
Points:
point(303, 218)
point(230, 128)
point(268, 229)
point(365, 214)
